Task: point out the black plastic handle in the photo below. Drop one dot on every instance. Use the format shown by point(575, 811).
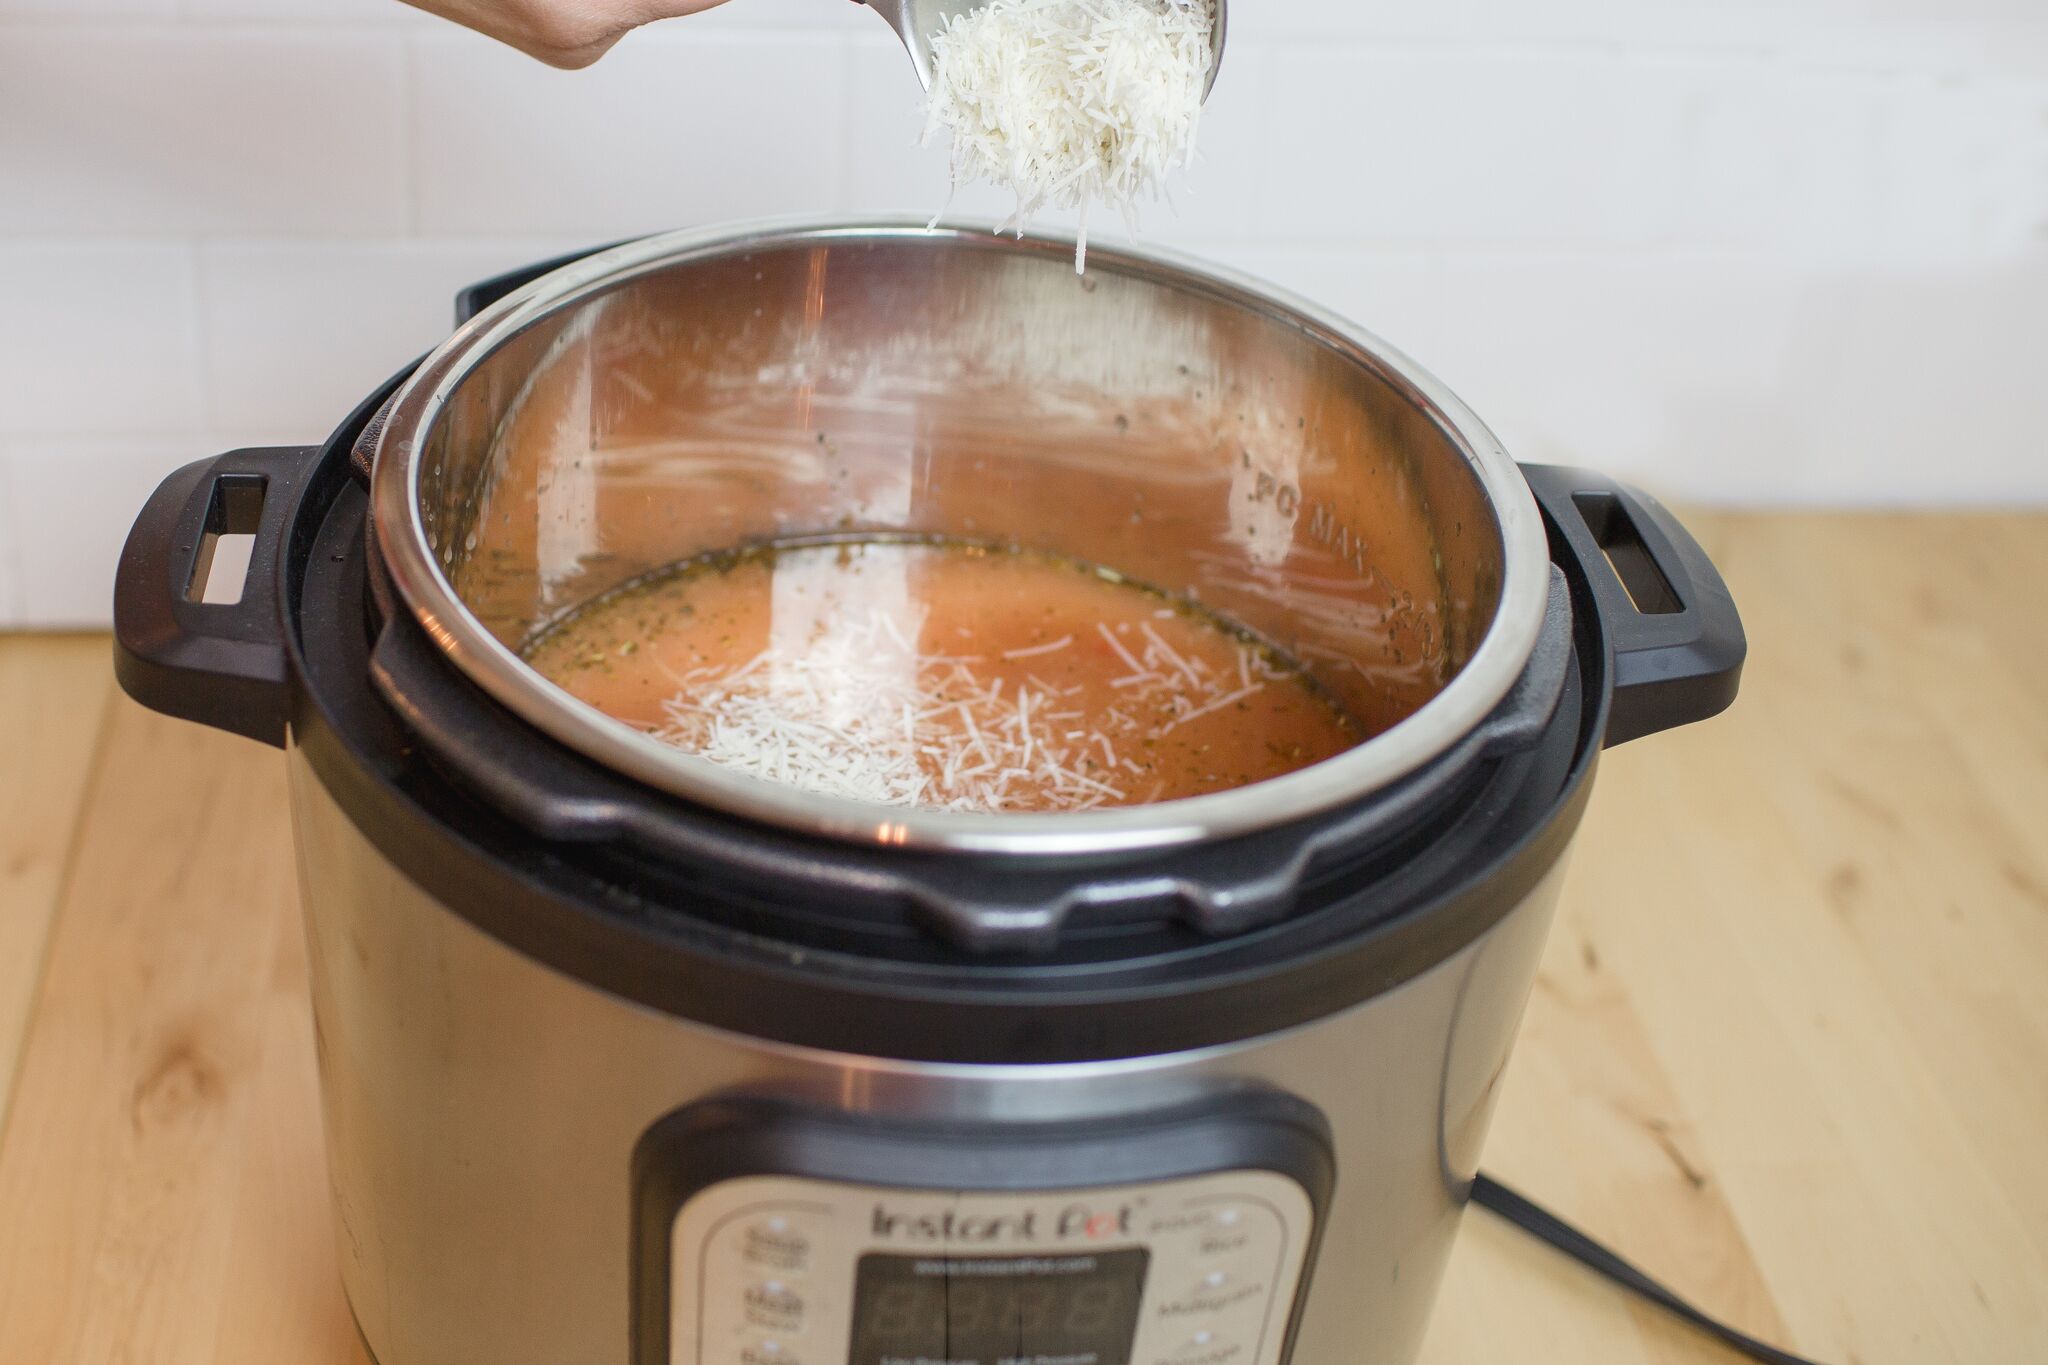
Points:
point(473, 299)
point(1674, 630)
point(218, 663)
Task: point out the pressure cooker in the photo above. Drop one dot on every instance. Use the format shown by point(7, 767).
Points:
point(629, 1058)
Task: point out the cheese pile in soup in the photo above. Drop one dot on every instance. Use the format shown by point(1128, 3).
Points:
point(944, 675)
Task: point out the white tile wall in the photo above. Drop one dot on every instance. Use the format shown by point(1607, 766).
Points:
point(76, 9)
point(1444, 148)
point(111, 131)
point(60, 494)
point(270, 304)
point(675, 127)
point(381, 12)
point(783, 16)
point(1753, 249)
point(98, 337)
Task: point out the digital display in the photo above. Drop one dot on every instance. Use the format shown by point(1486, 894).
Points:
point(1061, 1309)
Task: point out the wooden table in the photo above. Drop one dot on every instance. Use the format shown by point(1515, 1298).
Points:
point(1789, 1049)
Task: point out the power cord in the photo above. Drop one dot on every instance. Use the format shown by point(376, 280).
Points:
point(1547, 1227)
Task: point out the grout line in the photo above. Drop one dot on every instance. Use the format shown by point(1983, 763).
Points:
point(409, 132)
point(202, 327)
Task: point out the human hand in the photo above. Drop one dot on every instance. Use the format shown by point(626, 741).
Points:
point(564, 33)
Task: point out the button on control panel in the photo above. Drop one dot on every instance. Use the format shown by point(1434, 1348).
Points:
point(775, 1243)
point(779, 1270)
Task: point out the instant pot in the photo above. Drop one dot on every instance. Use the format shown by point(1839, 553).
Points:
point(627, 1058)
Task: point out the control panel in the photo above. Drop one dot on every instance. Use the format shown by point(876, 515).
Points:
point(774, 1270)
point(768, 1233)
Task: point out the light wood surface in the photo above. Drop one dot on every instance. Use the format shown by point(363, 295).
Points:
point(1789, 1049)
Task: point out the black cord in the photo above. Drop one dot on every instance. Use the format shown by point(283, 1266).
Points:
point(1545, 1226)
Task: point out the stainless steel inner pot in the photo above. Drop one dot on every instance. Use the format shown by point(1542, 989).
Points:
point(1182, 424)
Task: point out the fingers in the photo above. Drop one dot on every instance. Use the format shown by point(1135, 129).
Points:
point(563, 33)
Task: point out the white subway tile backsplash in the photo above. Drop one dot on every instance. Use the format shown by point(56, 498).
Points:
point(97, 337)
point(666, 130)
point(1219, 195)
point(1725, 25)
point(1886, 169)
point(87, 9)
point(298, 332)
point(162, 133)
point(1394, 295)
point(309, 11)
point(1731, 377)
point(785, 17)
point(773, 17)
point(1451, 149)
point(1790, 161)
point(1715, 376)
point(73, 503)
point(1545, 346)
point(1919, 385)
point(1959, 181)
point(1754, 249)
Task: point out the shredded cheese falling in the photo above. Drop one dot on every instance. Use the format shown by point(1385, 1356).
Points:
point(1065, 102)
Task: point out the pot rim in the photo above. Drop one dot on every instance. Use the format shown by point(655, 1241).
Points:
point(1433, 729)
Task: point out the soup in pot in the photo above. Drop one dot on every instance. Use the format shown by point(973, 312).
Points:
point(942, 674)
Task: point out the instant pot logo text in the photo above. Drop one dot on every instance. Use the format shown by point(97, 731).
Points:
point(1074, 1222)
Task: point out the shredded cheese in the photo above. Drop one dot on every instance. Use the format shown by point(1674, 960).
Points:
point(866, 717)
point(1065, 102)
